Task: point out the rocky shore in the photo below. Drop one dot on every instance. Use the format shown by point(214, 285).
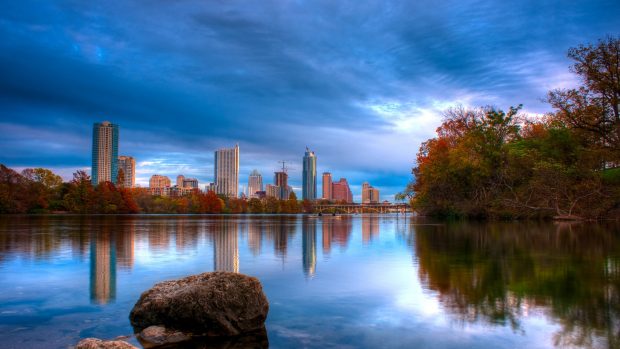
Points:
point(215, 310)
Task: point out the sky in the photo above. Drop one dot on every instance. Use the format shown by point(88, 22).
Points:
point(361, 83)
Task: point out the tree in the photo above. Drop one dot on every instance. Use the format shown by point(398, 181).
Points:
point(80, 196)
point(594, 107)
point(255, 205)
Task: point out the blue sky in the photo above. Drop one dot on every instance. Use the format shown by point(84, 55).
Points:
point(362, 83)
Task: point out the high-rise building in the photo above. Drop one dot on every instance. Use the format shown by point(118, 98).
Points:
point(281, 181)
point(180, 179)
point(255, 183)
point(370, 195)
point(105, 152)
point(341, 191)
point(127, 165)
point(309, 176)
point(226, 171)
point(327, 186)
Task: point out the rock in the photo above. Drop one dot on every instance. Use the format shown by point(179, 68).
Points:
point(94, 343)
point(208, 304)
point(154, 336)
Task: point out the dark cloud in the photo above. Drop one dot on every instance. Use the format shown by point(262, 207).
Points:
point(362, 83)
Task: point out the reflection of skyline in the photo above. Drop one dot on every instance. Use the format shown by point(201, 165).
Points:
point(255, 238)
point(125, 245)
point(370, 228)
point(337, 231)
point(102, 267)
point(225, 246)
point(309, 247)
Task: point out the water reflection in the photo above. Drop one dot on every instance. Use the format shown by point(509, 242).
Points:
point(308, 247)
point(500, 273)
point(493, 275)
point(102, 267)
point(370, 228)
point(225, 246)
point(336, 230)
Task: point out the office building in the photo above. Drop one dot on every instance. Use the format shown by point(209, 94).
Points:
point(226, 171)
point(255, 183)
point(327, 186)
point(309, 176)
point(104, 153)
point(159, 181)
point(370, 195)
point(189, 183)
point(281, 181)
point(341, 191)
point(127, 166)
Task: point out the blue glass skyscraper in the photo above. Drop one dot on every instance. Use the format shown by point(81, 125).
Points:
point(309, 176)
point(105, 153)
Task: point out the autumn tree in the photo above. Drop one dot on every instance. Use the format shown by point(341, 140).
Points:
point(594, 106)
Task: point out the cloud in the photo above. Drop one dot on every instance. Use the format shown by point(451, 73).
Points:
point(361, 83)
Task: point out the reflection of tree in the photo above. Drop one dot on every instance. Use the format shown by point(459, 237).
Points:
point(498, 272)
point(309, 247)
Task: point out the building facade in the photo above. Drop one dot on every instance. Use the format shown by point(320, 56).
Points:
point(327, 186)
point(341, 191)
point(370, 195)
point(281, 181)
point(255, 183)
point(127, 165)
point(226, 171)
point(309, 176)
point(105, 153)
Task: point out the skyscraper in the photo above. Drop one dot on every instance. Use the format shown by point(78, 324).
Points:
point(370, 195)
point(226, 171)
point(327, 186)
point(309, 176)
point(105, 153)
point(281, 181)
point(127, 165)
point(255, 183)
point(341, 191)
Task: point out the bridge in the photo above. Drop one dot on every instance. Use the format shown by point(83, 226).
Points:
point(363, 208)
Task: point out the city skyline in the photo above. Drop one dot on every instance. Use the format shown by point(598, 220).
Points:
point(187, 78)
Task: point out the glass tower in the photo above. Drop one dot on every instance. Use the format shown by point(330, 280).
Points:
point(105, 153)
point(309, 176)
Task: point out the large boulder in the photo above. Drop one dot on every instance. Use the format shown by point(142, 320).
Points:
point(208, 304)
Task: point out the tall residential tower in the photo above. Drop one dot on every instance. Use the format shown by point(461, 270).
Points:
point(309, 176)
point(255, 183)
point(226, 171)
point(105, 152)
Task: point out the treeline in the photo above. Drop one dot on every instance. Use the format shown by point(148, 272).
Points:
point(41, 191)
point(486, 162)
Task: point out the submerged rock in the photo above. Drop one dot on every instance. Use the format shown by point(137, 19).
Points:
point(154, 336)
point(208, 304)
point(94, 343)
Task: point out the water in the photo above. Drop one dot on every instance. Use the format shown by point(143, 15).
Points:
point(355, 281)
